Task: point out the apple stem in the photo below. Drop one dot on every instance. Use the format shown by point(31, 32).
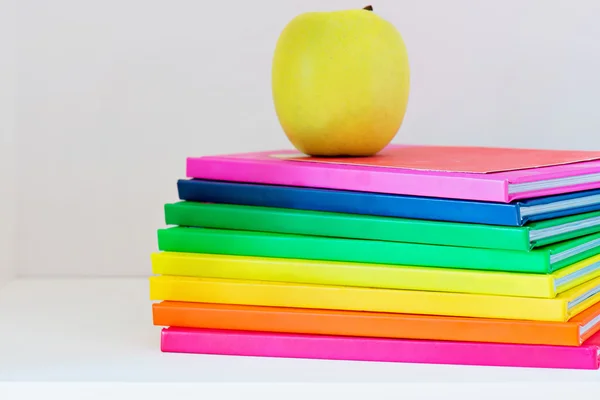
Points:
point(368, 8)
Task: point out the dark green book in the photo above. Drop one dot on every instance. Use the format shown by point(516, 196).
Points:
point(353, 226)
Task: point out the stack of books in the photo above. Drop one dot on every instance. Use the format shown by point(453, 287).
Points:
point(423, 254)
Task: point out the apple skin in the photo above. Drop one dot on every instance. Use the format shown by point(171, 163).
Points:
point(340, 82)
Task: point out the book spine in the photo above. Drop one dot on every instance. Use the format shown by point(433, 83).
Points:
point(317, 223)
point(384, 180)
point(350, 202)
point(259, 244)
point(207, 341)
point(209, 290)
point(362, 324)
point(352, 274)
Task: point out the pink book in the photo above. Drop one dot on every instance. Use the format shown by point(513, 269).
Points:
point(468, 173)
point(265, 344)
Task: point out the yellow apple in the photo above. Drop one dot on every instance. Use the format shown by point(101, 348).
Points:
point(340, 82)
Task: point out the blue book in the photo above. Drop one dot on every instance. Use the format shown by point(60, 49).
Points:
point(426, 208)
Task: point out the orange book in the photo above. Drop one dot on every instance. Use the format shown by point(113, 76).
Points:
point(376, 324)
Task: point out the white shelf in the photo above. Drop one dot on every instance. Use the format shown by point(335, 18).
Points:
point(101, 330)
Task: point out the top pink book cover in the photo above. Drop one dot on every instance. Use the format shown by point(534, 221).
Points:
point(459, 172)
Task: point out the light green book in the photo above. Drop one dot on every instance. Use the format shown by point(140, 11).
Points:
point(282, 245)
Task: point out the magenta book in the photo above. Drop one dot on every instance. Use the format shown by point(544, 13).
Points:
point(266, 344)
point(468, 173)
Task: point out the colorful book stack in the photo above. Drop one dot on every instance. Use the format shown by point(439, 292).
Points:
point(423, 254)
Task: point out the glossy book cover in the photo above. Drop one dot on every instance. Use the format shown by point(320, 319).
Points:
point(517, 213)
point(294, 345)
point(352, 226)
point(376, 324)
point(282, 294)
point(466, 159)
point(544, 260)
point(556, 174)
point(402, 277)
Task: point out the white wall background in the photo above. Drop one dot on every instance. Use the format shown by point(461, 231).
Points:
point(7, 142)
point(114, 94)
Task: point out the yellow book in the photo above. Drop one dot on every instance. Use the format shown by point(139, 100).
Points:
point(212, 290)
point(376, 275)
